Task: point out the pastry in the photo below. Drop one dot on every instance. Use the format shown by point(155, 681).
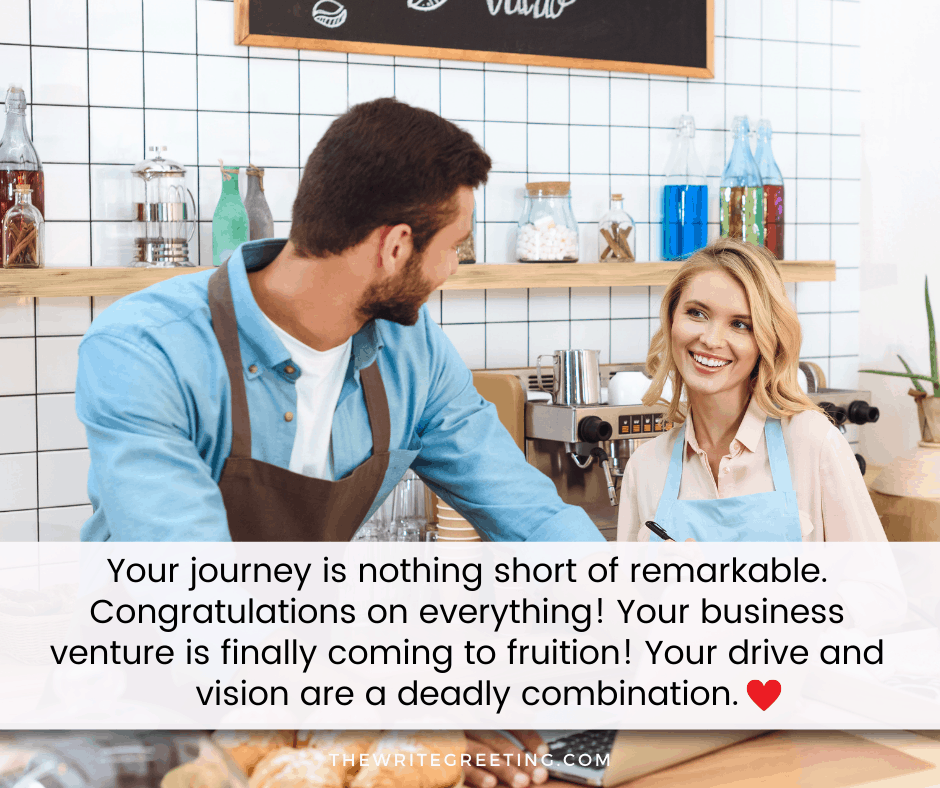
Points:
point(197, 774)
point(438, 768)
point(290, 768)
point(351, 745)
point(247, 748)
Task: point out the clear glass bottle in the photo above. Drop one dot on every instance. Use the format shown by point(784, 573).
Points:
point(547, 230)
point(685, 196)
point(616, 233)
point(466, 252)
point(230, 220)
point(742, 193)
point(772, 180)
point(23, 232)
point(260, 220)
point(19, 162)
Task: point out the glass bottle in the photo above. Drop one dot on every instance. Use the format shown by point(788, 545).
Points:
point(685, 196)
point(19, 162)
point(260, 220)
point(230, 220)
point(742, 193)
point(615, 229)
point(23, 232)
point(466, 252)
point(772, 180)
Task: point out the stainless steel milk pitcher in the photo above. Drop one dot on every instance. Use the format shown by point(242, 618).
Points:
point(576, 379)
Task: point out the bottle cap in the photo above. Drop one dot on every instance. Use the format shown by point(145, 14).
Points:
point(686, 125)
point(23, 188)
point(15, 99)
point(616, 196)
point(740, 125)
point(552, 188)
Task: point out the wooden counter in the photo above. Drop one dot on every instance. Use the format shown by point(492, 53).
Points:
point(108, 281)
point(810, 759)
point(905, 519)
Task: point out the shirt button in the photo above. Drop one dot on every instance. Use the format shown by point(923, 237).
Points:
point(289, 369)
point(726, 470)
point(288, 416)
point(253, 368)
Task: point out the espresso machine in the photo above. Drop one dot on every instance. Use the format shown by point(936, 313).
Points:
point(842, 406)
point(582, 445)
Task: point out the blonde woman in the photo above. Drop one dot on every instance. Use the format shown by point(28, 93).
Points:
point(751, 457)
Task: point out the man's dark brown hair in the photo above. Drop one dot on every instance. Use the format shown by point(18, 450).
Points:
point(383, 163)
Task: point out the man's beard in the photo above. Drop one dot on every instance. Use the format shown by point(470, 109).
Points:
point(399, 299)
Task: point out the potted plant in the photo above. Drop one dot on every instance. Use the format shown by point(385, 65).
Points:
point(928, 406)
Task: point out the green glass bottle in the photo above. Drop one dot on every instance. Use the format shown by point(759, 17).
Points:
point(230, 220)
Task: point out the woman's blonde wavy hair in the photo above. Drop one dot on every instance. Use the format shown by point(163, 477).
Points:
point(776, 327)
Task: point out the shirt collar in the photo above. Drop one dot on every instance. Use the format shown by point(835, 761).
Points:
point(262, 342)
point(752, 427)
point(748, 435)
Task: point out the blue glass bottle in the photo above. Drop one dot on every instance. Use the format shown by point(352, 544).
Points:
point(685, 196)
point(742, 191)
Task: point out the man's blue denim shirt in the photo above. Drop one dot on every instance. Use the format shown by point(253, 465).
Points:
point(154, 395)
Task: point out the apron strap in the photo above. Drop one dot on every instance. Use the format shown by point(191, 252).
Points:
point(670, 492)
point(777, 452)
point(225, 326)
point(373, 389)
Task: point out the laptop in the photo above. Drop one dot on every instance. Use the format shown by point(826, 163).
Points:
point(608, 758)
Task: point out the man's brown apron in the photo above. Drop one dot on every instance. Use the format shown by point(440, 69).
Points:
point(267, 503)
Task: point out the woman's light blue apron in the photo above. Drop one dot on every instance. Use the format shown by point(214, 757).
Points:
point(760, 517)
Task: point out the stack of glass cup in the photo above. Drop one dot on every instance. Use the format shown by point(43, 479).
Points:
point(402, 517)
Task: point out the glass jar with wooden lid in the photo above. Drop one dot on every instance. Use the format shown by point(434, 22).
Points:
point(616, 230)
point(547, 231)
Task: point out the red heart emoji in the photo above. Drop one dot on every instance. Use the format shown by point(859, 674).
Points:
point(762, 694)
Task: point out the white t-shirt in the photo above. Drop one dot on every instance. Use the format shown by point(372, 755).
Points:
point(321, 379)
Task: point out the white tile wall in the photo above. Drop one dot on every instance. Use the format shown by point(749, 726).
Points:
point(109, 77)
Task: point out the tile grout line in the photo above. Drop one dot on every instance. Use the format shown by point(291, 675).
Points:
point(35, 300)
point(831, 74)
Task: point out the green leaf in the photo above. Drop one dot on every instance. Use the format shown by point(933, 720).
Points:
point(932, 344)
point(911, 372)
point(898, 374)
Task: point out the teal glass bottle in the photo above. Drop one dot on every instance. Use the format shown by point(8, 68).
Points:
point(742, 191)
point(230, 220)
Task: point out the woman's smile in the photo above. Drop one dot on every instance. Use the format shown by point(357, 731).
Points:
point(710, 363)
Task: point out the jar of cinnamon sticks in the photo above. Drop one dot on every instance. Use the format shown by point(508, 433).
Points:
point(616, 227)
point(23, 232)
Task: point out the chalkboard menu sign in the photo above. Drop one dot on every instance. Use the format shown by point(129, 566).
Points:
point(651, 36)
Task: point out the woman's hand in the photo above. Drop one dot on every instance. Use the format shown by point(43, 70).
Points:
point(513, 769)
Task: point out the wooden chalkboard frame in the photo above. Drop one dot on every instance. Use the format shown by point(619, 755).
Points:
point(245, 37)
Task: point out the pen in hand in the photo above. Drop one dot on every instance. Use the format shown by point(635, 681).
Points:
point(657, 529)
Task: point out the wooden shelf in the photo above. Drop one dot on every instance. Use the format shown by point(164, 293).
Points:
point(106, 281)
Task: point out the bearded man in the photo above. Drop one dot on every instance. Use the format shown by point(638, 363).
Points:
point(282, 396)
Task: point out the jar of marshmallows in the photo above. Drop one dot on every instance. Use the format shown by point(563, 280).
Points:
point(548, 231)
